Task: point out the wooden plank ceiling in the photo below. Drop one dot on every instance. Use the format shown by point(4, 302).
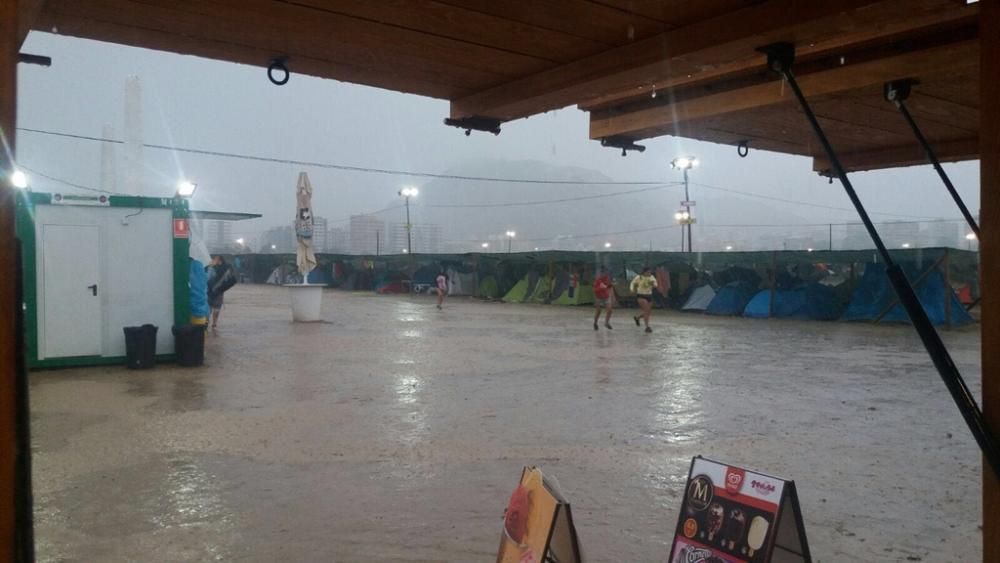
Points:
point(642, 68)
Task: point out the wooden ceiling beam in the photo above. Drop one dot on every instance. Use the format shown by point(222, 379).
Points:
point(589, 20)
point(893, 30)
point(650, 121)
point(909, 155)
point(715, 41)
point(28, 11)
point(296, 31)
point(403, 80)
point(456, 22)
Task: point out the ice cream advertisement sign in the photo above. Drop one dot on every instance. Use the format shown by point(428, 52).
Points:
point(734, 515)
point(537, 524)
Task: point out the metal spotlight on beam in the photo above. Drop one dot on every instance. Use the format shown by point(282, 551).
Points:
point(475, 122)
point(623, 143)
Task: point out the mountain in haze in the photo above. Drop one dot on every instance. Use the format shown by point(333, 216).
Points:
point(636, 216)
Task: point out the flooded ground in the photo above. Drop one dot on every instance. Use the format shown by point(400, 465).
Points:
point(396, 432)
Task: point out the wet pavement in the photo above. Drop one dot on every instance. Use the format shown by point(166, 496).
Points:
point(396, 432)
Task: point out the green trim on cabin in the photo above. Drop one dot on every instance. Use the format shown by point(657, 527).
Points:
point(24, 227)
point(182, 270)
point(91, 361)
point(24, 230)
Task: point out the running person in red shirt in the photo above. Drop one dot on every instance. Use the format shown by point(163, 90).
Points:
point(603, 298)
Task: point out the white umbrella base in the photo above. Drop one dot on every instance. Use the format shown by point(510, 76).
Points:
point(307, 300)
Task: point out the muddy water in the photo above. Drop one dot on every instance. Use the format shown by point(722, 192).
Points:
point(395, 432)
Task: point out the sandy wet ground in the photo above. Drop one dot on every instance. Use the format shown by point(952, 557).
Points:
point(395, 432)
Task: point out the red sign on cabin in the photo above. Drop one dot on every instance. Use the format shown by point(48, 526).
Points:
point(181, 228)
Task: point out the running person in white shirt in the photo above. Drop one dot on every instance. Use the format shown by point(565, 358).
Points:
point(643, 286)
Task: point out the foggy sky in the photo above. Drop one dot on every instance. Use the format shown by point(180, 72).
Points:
point(206, 104)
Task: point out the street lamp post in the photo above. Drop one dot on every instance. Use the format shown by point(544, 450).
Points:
point(685, 163)
point(510, 238)
point(407, 193)
point(683, 217)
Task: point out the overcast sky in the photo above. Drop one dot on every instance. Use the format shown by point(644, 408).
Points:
point(206, 104)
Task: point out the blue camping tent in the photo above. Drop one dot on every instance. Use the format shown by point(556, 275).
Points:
point(809, 301)
point(874, 293)
point(731, 299)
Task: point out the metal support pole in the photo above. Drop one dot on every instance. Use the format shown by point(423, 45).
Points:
point(831, 237)
point(897, 92)
point(779, 59)
point(946, 266)
point(770, 285)
point(409, 228)
point(687, 208)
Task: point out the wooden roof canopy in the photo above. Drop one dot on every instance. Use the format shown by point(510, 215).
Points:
point(642, 68)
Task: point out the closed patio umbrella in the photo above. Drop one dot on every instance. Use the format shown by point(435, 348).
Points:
point(305, 256)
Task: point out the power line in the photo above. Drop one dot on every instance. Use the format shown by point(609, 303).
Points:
point(547, 201)
point(650, 185)
point(387, 171)
point(709, 226)
point(804, 203)
point(68, 183)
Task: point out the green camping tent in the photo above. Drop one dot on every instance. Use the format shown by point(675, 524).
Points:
point(488, 288)
point(582, 295)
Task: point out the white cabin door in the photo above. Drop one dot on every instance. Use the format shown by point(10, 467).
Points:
point(71, 270)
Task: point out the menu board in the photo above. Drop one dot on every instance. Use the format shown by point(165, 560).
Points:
point(538, 525)
point(732, 515)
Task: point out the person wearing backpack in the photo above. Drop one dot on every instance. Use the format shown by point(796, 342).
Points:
point(221, 277)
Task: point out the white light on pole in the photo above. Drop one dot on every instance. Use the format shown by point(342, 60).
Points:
point(970, 236)
point(685, 163)
point(729, 247)
point(19, 179)
point(240, 241)
point(186, 189)
point(607, 245)
point(510, 238)
point(485, 245)
point(405, 251)
point(906, 245)
point(274, 247)
point(407, 192)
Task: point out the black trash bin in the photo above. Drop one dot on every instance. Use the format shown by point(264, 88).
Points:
point(189, 345)
point(140, 346)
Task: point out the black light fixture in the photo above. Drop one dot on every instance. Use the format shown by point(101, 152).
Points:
point(623, 143)
point(475, 122)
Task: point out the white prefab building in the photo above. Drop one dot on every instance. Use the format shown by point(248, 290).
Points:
point(94, 265)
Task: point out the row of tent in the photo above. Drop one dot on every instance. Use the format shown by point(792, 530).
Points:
point(560, 288)
point(873, 299)
point(818, 286)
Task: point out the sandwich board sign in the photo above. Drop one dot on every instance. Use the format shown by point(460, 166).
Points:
point(538, 525)
point(733, 515)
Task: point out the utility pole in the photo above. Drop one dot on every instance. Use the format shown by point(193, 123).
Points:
point(408, 192)
point(687, 206)
point(409, 229)
point(684, 217)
